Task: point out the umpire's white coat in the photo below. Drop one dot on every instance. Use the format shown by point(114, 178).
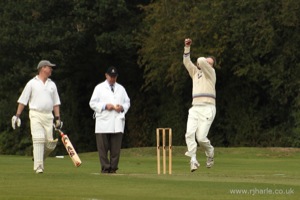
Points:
point(109, 121)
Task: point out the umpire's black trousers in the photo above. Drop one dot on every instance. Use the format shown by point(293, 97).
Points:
point(109, 149)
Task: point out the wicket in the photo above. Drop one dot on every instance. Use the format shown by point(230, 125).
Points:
point(163, 131)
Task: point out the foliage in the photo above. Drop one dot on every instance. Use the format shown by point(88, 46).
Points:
point(256, 43)
point(83, 38)
point(257, 85)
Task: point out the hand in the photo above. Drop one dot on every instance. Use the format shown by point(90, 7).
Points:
point(187, 42)
point(58, 123)
point(109, 107)
point(15, 121)
point(119, 108)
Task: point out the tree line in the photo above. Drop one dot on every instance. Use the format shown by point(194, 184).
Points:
point(256, 43)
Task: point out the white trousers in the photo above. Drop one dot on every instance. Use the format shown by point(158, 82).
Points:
point(199, 122)
point(41, 125)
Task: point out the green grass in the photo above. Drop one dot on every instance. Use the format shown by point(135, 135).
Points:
point(259, 171)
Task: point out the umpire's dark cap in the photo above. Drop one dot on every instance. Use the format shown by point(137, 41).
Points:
point(112, 71)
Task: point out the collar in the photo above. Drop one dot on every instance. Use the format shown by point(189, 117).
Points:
point(37, 78)
point(107, 83)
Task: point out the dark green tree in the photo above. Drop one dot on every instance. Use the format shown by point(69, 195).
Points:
point(83, 38)
point(255, 43)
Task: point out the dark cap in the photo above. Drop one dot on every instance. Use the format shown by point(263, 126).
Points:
point(112, 71)
point(43, 63)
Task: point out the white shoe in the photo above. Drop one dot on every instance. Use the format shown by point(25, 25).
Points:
point(194, 165)
point(209, 162)
point(39, 170)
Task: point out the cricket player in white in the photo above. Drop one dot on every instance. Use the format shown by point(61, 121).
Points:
point(41, 93)
point(203, 110)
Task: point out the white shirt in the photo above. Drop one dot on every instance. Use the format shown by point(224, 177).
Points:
point(41, 96)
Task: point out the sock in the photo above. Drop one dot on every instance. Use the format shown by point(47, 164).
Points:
point(193, 159)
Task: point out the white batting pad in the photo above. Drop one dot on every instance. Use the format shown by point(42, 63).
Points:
point(49, 147)
point(38, 155)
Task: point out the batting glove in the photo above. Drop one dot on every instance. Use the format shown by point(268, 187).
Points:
point(15, 121)
point(58, 123)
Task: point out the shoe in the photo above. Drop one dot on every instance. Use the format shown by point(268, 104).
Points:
point(209, 162)
point(105, 171)
point(194, 165)
point(39, 170)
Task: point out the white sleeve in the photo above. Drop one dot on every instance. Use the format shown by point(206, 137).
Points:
point(189, 65)
point(207, 69)
point(56, 99)
point(126, 103)
point(25, 96)
point(95, 101)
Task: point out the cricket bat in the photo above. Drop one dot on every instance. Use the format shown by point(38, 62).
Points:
point(70, 149)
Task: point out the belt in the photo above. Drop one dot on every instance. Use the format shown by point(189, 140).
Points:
point(204, 95)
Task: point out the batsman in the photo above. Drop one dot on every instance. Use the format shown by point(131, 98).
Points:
point(42, 95)
point(203, 110)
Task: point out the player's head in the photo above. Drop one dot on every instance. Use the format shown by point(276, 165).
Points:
point(212, 61)
point(111, 75)
point(45, 68)
point(45, 63)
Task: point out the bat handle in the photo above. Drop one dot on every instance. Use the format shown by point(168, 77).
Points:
point(58, 130)
point(61, 133)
